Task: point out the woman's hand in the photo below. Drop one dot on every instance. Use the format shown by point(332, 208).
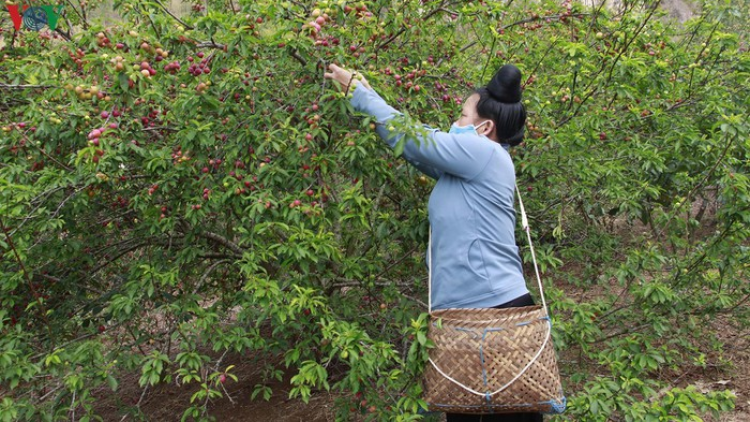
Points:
point(345, 78)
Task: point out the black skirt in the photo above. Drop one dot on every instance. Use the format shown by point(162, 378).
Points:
point(525, 300)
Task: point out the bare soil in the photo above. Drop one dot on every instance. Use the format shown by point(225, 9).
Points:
point(736, 379)
point(166, 402)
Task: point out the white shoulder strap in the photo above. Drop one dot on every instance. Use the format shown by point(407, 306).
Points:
point(525, 226)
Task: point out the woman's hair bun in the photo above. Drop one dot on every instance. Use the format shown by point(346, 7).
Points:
point(505, 86)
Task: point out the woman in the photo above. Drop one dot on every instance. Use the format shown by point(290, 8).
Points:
point(476, 263)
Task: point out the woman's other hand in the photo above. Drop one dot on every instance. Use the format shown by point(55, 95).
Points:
point(345, 78)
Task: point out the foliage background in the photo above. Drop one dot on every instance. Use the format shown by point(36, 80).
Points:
point(243, 210)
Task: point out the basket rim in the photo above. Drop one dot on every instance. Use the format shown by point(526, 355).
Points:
point(493, 314)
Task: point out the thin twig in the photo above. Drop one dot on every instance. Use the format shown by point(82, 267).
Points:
point(72, 407)
point(81, 15)
point(532, 19)
point(68, 343)
point(207, 273)
point(738, 304)
point(400, 260)
point(696, 187)
point(174, 16)
point(19, 87)
point(53, 159)
point(59, 207)
point(424, 305)
point(54, 390)
point(143, 395)
point(46, 194)
point(393, 37)
point(681, 104)
point(123, 252)
point(34, 292)
point(160, 128)
point(65, 35)
point(357, 283)
point(593, 78)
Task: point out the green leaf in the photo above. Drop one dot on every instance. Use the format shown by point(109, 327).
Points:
point(122, 77)
point(112, 382)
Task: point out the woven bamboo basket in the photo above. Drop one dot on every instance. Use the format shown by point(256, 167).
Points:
point(493, 360)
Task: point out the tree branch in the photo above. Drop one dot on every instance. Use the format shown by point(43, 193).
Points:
point(222, 241)
point(295, 54)
point(210, 44)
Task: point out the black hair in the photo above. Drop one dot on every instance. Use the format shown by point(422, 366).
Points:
point(500, 101)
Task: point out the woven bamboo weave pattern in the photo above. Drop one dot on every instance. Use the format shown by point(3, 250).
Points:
point(483, 350)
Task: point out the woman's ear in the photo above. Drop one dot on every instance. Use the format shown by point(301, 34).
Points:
point(488, 129)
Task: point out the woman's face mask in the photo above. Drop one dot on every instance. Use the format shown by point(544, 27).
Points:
point(456, 129)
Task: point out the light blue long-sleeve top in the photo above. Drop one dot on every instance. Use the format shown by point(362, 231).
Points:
point(476, 262)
